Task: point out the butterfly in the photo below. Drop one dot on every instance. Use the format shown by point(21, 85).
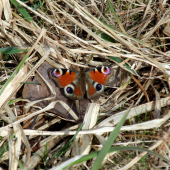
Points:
point(76, 84)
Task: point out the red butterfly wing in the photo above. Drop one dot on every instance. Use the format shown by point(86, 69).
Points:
point(63, 77)
point(100, 74)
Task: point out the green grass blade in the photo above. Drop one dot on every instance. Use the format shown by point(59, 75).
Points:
point(30, 83)
point(21, 167)
point(116, 17)
point(67, 146)
point(12, 50)
point(111, 150)
point(126, 35)
point(16, 100)
point(14, 73)
point(118, 60)
point(41, 5)
point(46, 152)
point(4, 148)
point(22, 10)
point(107, 38)
point(109, 143)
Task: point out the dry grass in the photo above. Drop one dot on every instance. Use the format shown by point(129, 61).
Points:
point(131, 36)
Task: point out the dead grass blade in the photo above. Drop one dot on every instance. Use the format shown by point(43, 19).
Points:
point(89, 122)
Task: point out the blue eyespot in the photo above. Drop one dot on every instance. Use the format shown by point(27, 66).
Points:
point(98, 87)
point(69, 90)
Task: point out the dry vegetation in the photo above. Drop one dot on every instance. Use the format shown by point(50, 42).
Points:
point(130, 36)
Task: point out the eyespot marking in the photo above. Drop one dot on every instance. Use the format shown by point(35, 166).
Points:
point(69, 89)
point(57, 73)
point(98, 87)
point(106, 70)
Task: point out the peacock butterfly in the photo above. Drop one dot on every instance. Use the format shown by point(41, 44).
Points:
point(76, 83)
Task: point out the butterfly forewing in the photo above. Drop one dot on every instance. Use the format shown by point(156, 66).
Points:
point(96, 80)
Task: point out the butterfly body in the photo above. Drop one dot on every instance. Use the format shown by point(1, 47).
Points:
point(76, 84)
